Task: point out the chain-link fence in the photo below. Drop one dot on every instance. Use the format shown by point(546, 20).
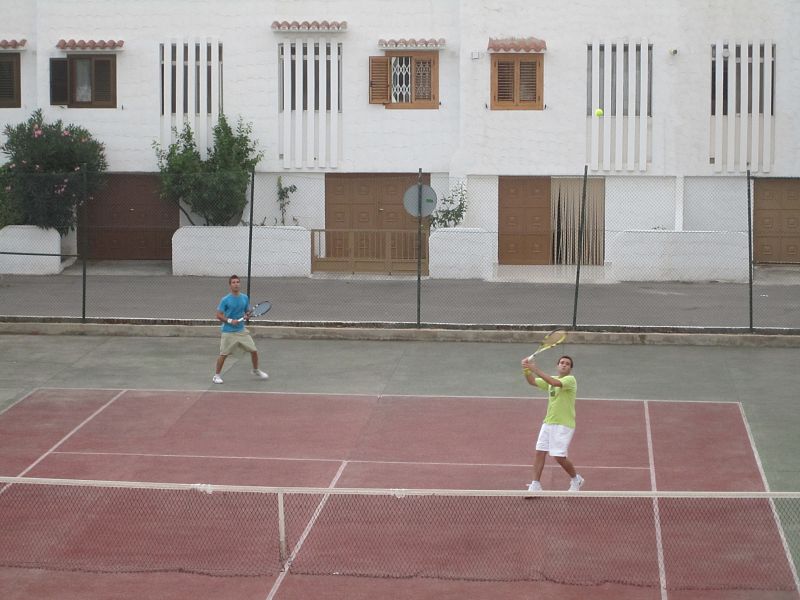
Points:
point(659, 540)
point(620, 251)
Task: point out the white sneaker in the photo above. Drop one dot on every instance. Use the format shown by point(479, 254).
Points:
point(216, 379)
point(576, 484)
point(260, 374)
point(534, 486)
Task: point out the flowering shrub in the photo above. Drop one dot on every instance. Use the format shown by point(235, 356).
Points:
point(44, 180)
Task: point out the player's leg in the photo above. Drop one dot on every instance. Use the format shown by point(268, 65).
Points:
point(248, 344)
point(542, 447)
point(218, 369)
point(226, 343)
point(559, 449)
point(566, 464)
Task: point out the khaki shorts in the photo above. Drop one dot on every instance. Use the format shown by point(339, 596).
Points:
point(236, 341)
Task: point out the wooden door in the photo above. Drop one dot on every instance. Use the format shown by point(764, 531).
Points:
point(127, 219)
point(367, 204)
point(525, 231)
point(776, 229)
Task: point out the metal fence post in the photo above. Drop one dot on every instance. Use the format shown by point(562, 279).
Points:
point(749, 250)
point(250, 239)
point(84, 218)
point(580, 248)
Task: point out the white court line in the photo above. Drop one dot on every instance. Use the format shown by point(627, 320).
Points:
point(662, 574)
point(18, 401)
point(70, 434)
point(360, 461)
point(381, 395)
point(775, 516)
point(303, 537)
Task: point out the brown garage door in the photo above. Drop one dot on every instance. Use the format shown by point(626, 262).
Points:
point(377, 234)
point(776, 230)
point(524, 221)
point(127, 220)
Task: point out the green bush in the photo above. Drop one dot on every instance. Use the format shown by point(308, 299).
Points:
point(452, 207)
point(51, 169)
point(215, 188)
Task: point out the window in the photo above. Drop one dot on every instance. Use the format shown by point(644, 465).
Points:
point(84, 81)
point(625, 79)
point(404, 80)
point(517, 81)
point(309, 68)
point(201, 55)
point(10, 96)
point(747, 49)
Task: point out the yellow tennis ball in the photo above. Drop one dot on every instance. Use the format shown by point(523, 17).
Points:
point(599, 112)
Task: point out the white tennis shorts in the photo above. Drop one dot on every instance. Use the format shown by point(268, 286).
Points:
point(554, 439)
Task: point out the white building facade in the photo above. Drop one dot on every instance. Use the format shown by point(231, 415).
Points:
point(500, 95)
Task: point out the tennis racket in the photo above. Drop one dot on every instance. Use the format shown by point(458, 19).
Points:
point(554, 338)
point(260, 309)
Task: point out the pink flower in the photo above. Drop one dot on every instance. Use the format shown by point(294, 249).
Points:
point(66, 133)
point(12, 165)
point(78, 168)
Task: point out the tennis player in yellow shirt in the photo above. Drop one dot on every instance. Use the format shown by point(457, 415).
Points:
point(559, 422)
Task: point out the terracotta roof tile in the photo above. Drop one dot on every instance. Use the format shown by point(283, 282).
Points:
point(309, 25)
point(12, 44)
point(90, 44)
point(528, 44)
point(411, 43)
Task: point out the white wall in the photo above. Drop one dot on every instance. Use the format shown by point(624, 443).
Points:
point(715, 204)
point(463, 137)
point(640, 203)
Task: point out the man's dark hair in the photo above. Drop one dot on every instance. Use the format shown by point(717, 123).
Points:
point(571, 362)
point(232, 277)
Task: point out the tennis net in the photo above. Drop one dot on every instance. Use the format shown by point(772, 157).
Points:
point(667, 540)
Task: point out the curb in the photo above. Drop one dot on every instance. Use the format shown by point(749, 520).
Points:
point(749, 340)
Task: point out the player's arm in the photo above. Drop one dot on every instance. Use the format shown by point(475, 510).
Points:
point(221, 317)
point(535, 371)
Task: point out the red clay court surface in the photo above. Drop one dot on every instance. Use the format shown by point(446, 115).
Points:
point(363, 441)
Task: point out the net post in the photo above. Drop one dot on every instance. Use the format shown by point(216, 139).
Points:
point(284, 550)
point(580, 248)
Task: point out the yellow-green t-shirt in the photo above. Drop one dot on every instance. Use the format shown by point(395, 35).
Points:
point(561, 400)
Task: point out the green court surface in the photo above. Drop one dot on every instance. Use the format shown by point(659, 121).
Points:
point(764, 380)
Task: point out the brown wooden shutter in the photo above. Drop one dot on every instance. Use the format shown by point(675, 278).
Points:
point(103, 82)
point(59, 81)
point(504, 81)
point(378, 79)
point(9, 81)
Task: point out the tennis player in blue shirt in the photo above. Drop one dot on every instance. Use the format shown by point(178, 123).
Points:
point(232, 312)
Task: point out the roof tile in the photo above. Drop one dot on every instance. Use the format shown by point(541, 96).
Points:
point(12, 44)
point(512, 44)
point(412, 43)
point(309, 26)
point(90, 44)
